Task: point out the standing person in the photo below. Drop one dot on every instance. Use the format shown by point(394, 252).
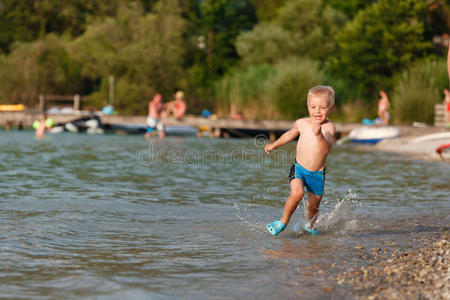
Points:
point(315, 142)
point(448, 61)
point(155, 107)
point(176, 107)
point(383, 108)
point(446, 103)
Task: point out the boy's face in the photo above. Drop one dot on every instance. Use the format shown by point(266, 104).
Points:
point(318, 108)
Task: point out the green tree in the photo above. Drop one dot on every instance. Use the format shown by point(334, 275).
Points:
point(350, 7)
point(41, 67)
point(381, 40)
point(24, 21)
point(144, 52)
point(222, 21)
point(301, 28)
point(266, 10)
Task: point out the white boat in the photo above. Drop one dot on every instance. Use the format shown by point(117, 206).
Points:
point(372, 134)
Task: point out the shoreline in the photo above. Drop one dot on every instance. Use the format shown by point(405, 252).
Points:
point(406, 144)
point(420, 272)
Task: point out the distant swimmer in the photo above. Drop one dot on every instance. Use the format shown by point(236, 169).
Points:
point(313, 146)
point(177, 107)
point(42, 125)
point(154, 122)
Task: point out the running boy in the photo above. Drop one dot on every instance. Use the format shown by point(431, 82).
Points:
point(314, 144)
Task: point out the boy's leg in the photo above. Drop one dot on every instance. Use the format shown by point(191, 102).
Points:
point(292, 202)
point(312, 204)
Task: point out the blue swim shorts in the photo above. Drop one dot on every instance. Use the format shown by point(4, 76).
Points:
point(313, 180)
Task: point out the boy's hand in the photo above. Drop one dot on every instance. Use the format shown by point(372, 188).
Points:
point(317, 128)
point(268, 148)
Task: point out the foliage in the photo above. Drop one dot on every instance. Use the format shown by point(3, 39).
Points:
point(266, 43)
point(382, 39)
point(45, 67)
point(350, 7)
point(223, 20)
point(29, 20)
point(301, 28)
point(147, 61)
point(216, 49)
point(418, 89)
point(289, 89)
point(246, 90)
point(270, 91)
point(267, 9)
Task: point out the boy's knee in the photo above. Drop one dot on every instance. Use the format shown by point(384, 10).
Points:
point(313, 203)
point(297, 195)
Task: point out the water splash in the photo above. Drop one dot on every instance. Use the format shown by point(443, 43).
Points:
point(339, 215)
point(340, 212)
point(243, 216)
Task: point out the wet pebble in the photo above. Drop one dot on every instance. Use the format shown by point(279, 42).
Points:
point(418, 274)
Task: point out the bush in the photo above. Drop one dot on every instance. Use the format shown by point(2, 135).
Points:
point(418, 89)
point(289, 89)
point(41, 67)
point(246, 90)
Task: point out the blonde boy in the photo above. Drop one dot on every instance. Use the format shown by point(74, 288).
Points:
point(315, 142)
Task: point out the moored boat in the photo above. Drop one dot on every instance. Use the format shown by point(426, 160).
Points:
point(372, 134)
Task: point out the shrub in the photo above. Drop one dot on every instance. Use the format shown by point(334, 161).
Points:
point(246, 90)
point(418, 89)
point(289, 89)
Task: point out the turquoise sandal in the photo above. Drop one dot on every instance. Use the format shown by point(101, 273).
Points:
point(276, 227)
point(311, 231)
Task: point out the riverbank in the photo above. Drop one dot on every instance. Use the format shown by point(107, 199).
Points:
point(413, 274)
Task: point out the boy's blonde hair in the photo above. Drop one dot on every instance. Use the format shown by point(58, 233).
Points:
point(323, 90)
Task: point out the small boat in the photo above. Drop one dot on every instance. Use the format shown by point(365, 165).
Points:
point(131, 128)
point(430, 137)
point(91, 125)
point(372, 135)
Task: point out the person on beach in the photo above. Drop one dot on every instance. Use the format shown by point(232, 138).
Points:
point(177, 107)
point(448, 62)
point(315, 142)
point(446, 103)
point(154, 122)
point(383, 108)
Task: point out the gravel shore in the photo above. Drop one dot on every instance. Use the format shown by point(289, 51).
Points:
point(420, 273)
point(415, 274)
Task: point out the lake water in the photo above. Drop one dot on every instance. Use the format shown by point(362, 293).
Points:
point(111, 216)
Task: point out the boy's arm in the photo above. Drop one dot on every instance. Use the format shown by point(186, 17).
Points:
point(325, 136)
point(284, 139)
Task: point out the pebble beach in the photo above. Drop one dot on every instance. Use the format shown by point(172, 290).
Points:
point(412, 274)
point(421, 273)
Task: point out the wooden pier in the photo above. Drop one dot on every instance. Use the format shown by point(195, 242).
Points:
point(220, 126)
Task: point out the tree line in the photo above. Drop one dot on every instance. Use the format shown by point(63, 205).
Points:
point(256, 57)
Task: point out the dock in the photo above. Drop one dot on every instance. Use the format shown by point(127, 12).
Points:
point(219, 127)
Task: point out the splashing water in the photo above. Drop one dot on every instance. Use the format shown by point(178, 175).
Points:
point(340, 212)
point(243, 216)
point(330, 217)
